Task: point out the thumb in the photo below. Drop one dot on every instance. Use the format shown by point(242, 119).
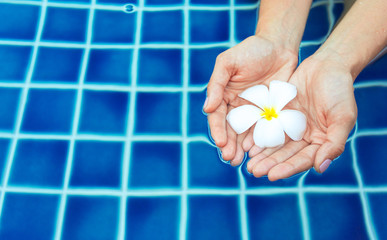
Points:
point(337, 135)
point(218, 81)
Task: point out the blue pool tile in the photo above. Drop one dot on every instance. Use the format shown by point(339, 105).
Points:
point(17, 59)
point(160, 67)
point(211, 2)
point(245, 23)
point(150, 218)
point(162, 26)
point(307, 51)
point(339, 173)
point(49, 111)
point(274, 217)
point(57, 65)
point(197, 121)
point(374, 71)
point(317, 25)
point(113, 27)
point(104, 112)
point(371, 104)
point(4, 146)
point(335, 216)
point(118, 1)
point(337, 10)
point(158, 113)
point(202, 63)
point(9, 98)
point(378, 207)
point(91, 218)
point(163, 2)
point(97, 164)
point(155, 165)
point(209, 171)
point(371, 157)
point(209, 26)
point(65, 24)
point(29, 216)
point(77, 1)
point(13, 27)
point(244, 2)
point(109, 66)
point(212, 217)
point(39, 163)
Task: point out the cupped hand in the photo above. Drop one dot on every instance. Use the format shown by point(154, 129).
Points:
point(256, 60)
point(326, 96)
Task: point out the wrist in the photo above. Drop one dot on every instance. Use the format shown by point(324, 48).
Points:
point(329, 60)
point(345, 59)
point(281, 40)
point(283, 22)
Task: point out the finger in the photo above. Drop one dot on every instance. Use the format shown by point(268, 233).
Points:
point(337, 135)
point(239, 154)
point(248, 141)
point(217, 122)
point(255, 150)
point(229, 150)
point(262, 155)
point(288, 150)
point(218, 81)
point(300, 162)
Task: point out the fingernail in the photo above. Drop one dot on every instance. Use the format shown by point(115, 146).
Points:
point(325, 165)
point(205, 103)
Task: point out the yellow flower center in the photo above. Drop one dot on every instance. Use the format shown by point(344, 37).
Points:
point(269, 113)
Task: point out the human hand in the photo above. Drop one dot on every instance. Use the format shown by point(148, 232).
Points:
point(325, 95)
point(256, 60)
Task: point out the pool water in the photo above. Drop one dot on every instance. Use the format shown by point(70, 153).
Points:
point(102, 134)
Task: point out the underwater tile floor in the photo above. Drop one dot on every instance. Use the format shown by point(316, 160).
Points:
point(102, 134)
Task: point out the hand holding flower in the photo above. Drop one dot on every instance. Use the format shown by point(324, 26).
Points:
point(254, 61)
point(327, 100)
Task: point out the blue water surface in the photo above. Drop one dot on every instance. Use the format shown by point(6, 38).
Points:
point(102, 134)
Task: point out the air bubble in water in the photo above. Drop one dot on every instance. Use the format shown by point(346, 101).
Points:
point(129, 8)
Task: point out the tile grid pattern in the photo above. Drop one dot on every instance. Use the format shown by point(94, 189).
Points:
point(63, 201)
point(124, 193)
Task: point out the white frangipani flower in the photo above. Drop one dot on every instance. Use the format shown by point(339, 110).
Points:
point(271, 120)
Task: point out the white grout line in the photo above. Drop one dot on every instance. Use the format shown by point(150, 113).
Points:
point(380, 83)
point(120, 7)
point(126, 161)
point(23, 102)
point(101, 87)
point(184, 115)
point(120, 46)
point(106, 138)
point(363, 197)
point(156, 192)
point(303, 207)
point(76, 118)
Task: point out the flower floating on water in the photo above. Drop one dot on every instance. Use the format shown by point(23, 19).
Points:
point(271, 120)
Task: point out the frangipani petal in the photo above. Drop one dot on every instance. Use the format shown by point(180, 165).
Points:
point(243, 117)
point(281, 93)
point(259, 95)
point(293, 123)
point(268, 133)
